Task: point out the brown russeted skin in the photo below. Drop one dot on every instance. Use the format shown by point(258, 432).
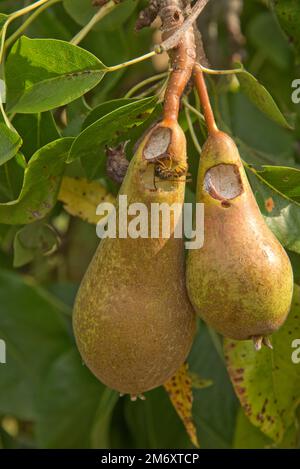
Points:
point(241, 281)
point(133, 321)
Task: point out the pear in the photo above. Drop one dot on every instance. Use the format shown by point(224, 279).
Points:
point(241, 281)
point(133, 321)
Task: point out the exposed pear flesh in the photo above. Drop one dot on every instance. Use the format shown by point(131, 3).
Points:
point(133, 321)
point(241, 281)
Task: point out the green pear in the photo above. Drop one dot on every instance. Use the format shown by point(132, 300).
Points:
point(133, 321)
point(241, 281)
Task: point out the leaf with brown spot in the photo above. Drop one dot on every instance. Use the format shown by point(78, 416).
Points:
point(269, 204)
point(284, 219)
point(179, 388)
point(285, 180)
point(267, 382)
point(81, 198)
point(247, 436)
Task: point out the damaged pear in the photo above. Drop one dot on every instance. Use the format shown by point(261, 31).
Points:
point(133, 321)
point(241, 281)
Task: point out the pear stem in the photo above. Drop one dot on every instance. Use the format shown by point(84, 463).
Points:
point(204, 99)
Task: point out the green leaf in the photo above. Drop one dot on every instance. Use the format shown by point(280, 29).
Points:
point(11, 177)
point(281, 214)
point(10, 142)
point(53, 74)
point(41, 183)
point(247, 436)
point(33, 326)
point(3, 18)
point(158, 417)
point(268, 382)
point(214, 408)
point(31, 240)
point(95, 168)
point(259, 139)
point(36, 131)
point(285, 180)
point(62, 422)
point(76, 112)
point(82, 12)
point(112, 126)
point(266, 35)
point(295, 261)
point(117, 16)
point(259, 96)
point(101, 430)
point(105, 108)
point(288, 13)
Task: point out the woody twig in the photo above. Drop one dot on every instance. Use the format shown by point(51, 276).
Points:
point(178, 38)
point(182, 56)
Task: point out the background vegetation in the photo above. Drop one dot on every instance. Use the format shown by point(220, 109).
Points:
point(63, 107)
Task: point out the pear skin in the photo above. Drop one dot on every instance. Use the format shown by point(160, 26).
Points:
point(133, 321)
point(241, 281)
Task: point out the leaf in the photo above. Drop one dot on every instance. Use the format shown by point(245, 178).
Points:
point(285, 180)
point(105, 108)
point(266, 35)
point(82, 12)
point(112, 126)
point(36, 131)
point(247, 436)
point(10, 142)
point(268, 144)
point(288, 13)
point(281, 215)
point(262, 99)
point(198, 382)
point(33, 326)
point(268, 382)
point(179, 388)
point(53, 74)
point(41, 183)
point(81, 198)
point(154, 423)
point(117, 17)
point(295, 261)
point(11, 178)
point(34, 239)
point(3, 18)
point(75, 114)
point(101, 430)
point(214, 408)
point(68, 404)
point(96, 167)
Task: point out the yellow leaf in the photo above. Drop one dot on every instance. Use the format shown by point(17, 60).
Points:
point(81, 198)
point(179, 388)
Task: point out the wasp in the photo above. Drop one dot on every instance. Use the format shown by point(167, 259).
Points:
point(165, 169)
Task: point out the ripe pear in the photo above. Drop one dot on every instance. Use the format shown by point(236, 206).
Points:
point(133, 321)
point(241, 281)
